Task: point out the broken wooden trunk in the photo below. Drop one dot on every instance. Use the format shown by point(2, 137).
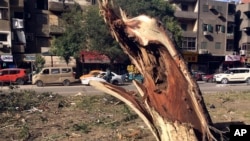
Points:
point(170, 100)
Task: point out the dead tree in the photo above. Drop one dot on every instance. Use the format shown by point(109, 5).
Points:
point(171, 103)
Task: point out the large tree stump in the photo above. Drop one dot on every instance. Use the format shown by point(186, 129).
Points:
point(171, 103)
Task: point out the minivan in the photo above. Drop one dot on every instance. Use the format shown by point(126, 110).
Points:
point(54, 75)
point(233, 75)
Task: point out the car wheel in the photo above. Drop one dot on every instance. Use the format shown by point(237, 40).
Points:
point(210, 80)
point(224, 81)
point(248, 81)
point(115, 82)
point(20, 81)
point(66, 82)
point(39, 83)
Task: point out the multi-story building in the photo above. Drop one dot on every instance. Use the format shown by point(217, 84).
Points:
point(12, 31)
point(208, 32)
point(243, 29)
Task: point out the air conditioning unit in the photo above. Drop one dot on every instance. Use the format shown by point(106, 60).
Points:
point(17, 23)
point(203, 51)
point(242, 52)
point(205, 33)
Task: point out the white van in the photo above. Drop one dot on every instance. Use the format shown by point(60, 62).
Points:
point(233, 75)
point(53, 75)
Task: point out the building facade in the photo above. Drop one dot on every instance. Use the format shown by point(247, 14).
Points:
point(208, 33)
point(243, 28)
point(12, 31)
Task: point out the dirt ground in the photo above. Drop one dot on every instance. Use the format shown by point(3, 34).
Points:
point(29, 116)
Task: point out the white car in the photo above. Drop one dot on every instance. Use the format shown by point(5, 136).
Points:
point(116, 79)
point(233, 75)
point(85, 81)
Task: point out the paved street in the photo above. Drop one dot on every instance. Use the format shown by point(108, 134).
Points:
point(80, 89)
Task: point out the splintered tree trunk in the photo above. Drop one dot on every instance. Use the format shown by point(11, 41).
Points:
point(171, 103)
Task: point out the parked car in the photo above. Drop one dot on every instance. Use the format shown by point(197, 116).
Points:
point(208, 78)
point(91, 73)
point(85, 81)
point(133, 76)
point(14, 75)
point(115, 78)
point(233, 75)
point(54, 75)
point(197, 75)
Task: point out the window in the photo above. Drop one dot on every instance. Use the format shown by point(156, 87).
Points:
point(55, 71)
point(29, 37)
point(3, 14)
point(205, 8)
point(208, 27)
point(18, 15)
point(65, 70)
point(3, 37)
point(184, 27)
point(230, 45)
point(230, 28)
point(217, 45)
point(184, 7)
point(42, 4)
point(188, 43)
point(203, 45)
point(220, 28)
point(14, 71)
point(46, 71)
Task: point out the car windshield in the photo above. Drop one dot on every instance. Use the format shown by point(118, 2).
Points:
point(227, 71)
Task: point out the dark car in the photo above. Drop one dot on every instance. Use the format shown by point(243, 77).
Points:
point(208, 78)
point(197, 75)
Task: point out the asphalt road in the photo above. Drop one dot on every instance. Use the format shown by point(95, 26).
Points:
point(81, 89)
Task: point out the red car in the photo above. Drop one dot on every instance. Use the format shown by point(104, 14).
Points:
point(13, 75)
point(208, 78)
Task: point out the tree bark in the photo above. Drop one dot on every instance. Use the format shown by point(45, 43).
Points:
point(171, 103)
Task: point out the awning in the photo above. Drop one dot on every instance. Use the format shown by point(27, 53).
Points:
point(94, 57)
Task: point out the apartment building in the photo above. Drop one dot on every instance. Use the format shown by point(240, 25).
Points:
point(243, 29)
point(208, 33)
point(12, 31)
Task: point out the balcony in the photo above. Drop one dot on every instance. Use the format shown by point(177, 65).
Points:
point(213, 9)
point(17, 3)
point(55, 29)
point(189, 34)
point(244, 8)
point(4, 4)
point(189, 15)
point(245, 25)
point(245, 39)
point(180, 1)
point(59, 6)
point(230, 35)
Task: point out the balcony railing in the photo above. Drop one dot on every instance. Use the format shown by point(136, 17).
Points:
point(55, 29)
point(186, 14)
point(59, 6)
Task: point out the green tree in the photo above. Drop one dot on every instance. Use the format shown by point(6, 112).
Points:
point(39, 62)
point(71, 42)
point(98, 37)
point(159, 9)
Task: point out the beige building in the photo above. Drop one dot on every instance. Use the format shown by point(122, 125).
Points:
point(208, 32)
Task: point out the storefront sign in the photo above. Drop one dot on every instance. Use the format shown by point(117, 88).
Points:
point(6, 58)
point(29, 58)
point(190, 56)
point(232, 58)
